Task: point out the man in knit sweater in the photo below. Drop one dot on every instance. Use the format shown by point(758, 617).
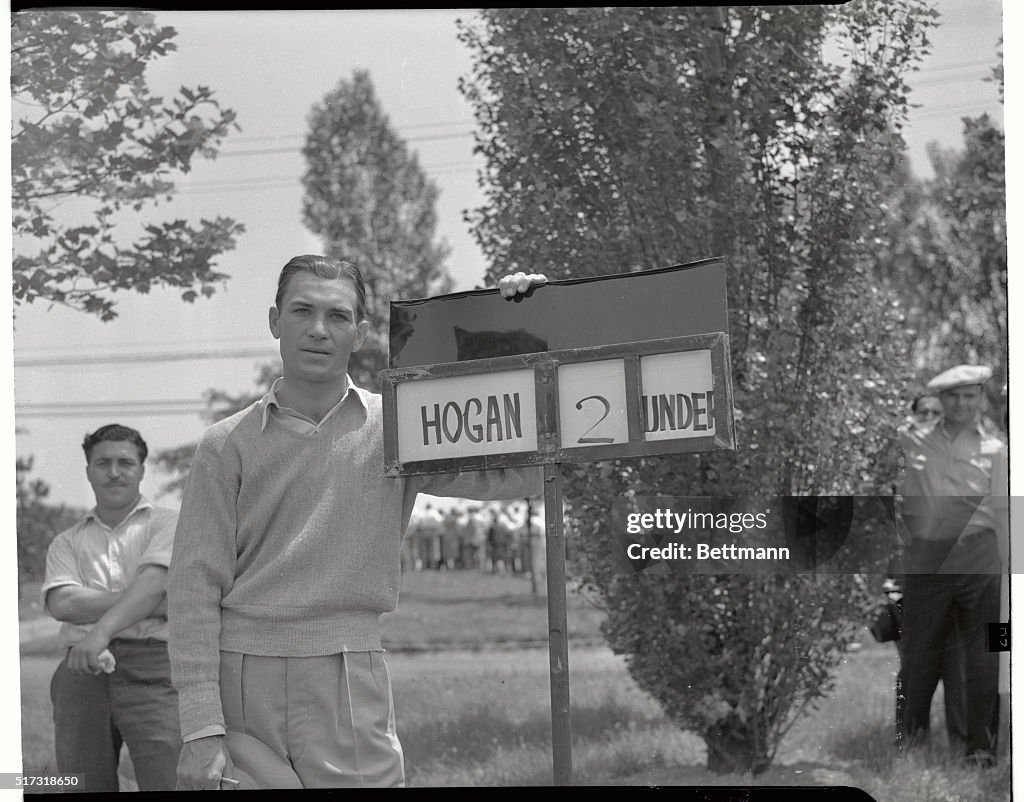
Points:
point(288, 551)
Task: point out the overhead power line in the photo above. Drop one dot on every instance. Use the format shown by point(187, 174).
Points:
point(295, 148)
point(111, 412)
point(85, 405)
point(220, 182)
point(256, 183)
point(291, 184)
point(948, 81)
point(124, 347)
point(184, 407)
point(408, 127)
point(959, 66)
point(166, 356)
point(953, 110)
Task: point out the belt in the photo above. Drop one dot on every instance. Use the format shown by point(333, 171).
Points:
point(138, 642)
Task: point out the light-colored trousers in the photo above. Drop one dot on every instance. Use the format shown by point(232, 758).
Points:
point(332, 717)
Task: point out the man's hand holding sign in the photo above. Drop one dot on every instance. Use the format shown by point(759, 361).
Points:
point(518, 283)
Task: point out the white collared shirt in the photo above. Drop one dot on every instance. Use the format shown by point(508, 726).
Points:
point(948, 479)
point(293, 419)
point(93, 555)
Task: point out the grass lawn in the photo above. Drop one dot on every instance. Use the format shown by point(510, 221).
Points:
point(472, 716)
point(491, 726)
point(471, 608)
point(468, 609)
point(29, 604)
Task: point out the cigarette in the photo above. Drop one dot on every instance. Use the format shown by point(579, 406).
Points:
point(230, 780)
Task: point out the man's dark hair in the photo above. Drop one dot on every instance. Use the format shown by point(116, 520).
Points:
point(917, 401)
point(116, 433)
point(324, 267)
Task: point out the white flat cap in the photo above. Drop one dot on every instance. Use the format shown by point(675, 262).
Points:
point(960, 376)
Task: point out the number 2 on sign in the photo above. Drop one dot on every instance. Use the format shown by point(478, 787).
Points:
point(607, 408)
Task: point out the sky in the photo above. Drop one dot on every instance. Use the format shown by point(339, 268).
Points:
point(272, 67)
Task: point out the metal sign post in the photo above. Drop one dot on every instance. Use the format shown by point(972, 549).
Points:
point(558, 627)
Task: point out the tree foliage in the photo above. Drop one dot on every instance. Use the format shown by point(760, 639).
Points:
point(370, 201)
point(37, 522)
point(90, 146)
point(619, 139)
point(947, 258)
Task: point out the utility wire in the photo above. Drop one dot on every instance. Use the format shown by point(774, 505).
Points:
point(409, 127)
point(219, 343)
point(111, 412)
point(948, 81)
point(56, 405)
point(270, 178)
point(959, 66)
point(258, 185)
point(167, 356)
point(295, 149)
point(986, 63)
point(953, 111)
point(292, 184)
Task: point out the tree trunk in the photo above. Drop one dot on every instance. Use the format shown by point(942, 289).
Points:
point(733, 751)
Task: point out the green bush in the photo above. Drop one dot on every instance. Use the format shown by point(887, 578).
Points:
point(37, 523)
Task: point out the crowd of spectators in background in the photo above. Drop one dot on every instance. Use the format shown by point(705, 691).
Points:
point(499, 537)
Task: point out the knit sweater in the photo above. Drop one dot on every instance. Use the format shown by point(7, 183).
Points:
point(289, 544)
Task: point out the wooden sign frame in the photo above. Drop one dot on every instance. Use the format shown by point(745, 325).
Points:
point(545, 365)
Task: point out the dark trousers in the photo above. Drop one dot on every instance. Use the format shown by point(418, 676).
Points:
point(951, 672)
point(933, 604)
point(94, 715)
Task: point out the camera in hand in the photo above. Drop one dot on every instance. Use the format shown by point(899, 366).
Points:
point(888, 621)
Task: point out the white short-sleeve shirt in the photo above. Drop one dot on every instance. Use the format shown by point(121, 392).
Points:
point(93, 555)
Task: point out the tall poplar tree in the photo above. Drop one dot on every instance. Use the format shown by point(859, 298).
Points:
point(371, 202)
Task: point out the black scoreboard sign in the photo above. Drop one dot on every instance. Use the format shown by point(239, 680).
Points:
point(579, 370)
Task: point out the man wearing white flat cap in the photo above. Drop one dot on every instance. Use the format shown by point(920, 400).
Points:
point(952, 561)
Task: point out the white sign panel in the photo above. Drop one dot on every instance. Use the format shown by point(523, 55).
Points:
point(677, 400)
point(469, 415)
point(592, 403)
